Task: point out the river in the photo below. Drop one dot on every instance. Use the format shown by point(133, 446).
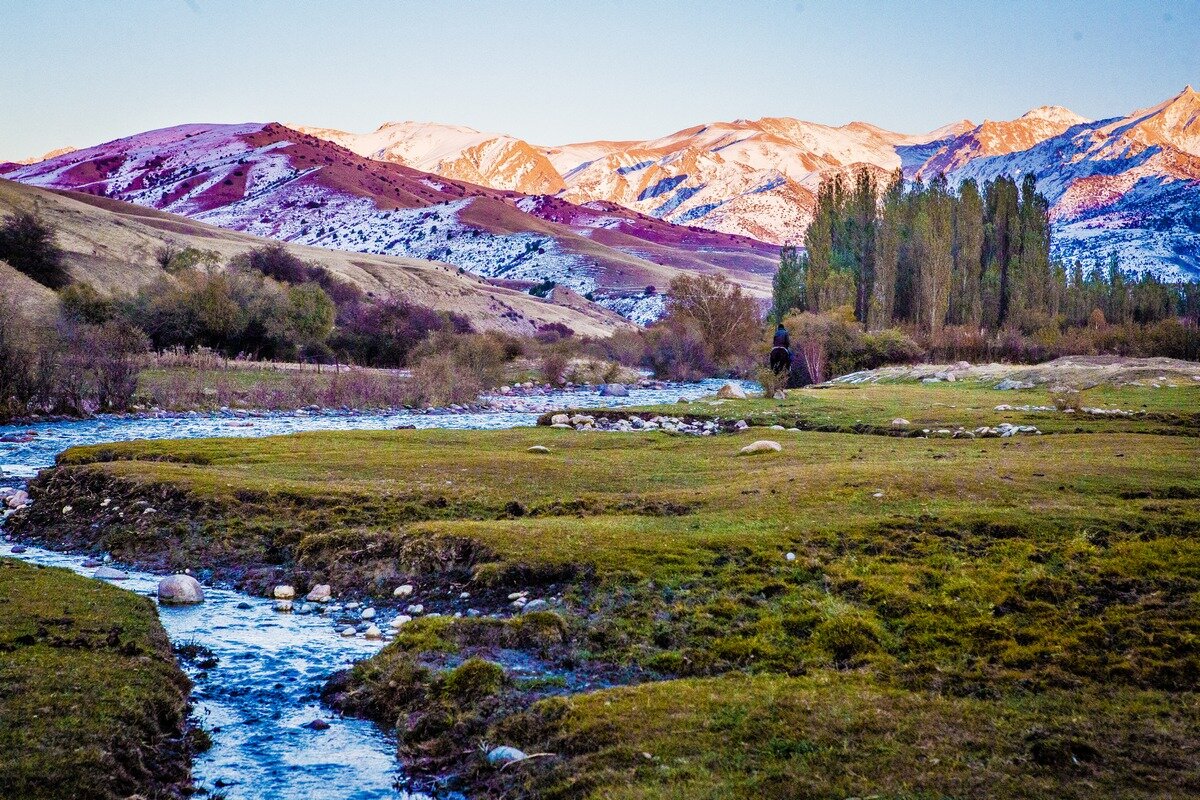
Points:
point(264, 689)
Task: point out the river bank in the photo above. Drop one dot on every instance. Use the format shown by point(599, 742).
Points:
point(672, 617)
point(93, 703)
point(256, 716)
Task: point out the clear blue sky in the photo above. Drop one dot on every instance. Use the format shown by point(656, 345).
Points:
point(85, 71)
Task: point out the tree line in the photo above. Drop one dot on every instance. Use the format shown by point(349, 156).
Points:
point(923, 255)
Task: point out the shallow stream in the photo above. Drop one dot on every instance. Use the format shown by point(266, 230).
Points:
point(264, 688)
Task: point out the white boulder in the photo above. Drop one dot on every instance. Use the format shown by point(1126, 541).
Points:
point(180, 590)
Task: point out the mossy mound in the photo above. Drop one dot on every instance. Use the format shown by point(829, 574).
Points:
point(92, 704)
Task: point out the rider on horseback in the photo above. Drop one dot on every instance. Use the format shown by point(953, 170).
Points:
point(781, 352)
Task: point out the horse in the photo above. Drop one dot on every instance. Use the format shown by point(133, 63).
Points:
point(781, 360)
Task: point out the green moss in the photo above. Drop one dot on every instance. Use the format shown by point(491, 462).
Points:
point(473, 680)
point(92, 703)
point(838, 735)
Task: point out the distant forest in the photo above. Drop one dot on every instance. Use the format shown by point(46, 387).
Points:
point(924, 256)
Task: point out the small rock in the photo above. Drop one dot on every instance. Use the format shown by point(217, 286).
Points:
point(284, 592)
point(790, 556)
point(319, 593)
point(761, 446)
point(535, 605)
point(614, 390)
point(283, 606)
point(1009, 384)
point(368, 613)
point(731, 391)
point(316, 725)
point(373, 632)
point(67, 509)
point(149, 510)
point(403, 591)
point(244, 606)
point(505, 754)
point(741, 425)
point(348, 630)
point(538, 449)
point(110, 574)
point(780, 395)
point(400, 621)
point(416, 608)
point(900, 422)
point(90, 563)
point(180, 590)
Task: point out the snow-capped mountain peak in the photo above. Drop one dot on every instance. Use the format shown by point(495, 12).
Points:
point(1056, 115)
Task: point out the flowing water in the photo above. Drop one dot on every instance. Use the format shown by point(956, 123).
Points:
point(264, 688)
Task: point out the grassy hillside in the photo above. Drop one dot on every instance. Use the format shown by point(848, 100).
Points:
point(92, 705)
point(1010, 617)
point(111, 245)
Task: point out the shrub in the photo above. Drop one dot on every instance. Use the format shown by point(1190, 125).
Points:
point(28, 245)
point(83, 303)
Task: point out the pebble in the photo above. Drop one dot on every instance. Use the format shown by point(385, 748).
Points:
point(400, 621)
point(348, 630)
point(283, 606)
point(18, 548)
point(368, 613)
point(110, 574)
point(316, 725)
point(319, 593)
point(91, 563)
point(373, 632)
point(535, 605)
point(790, 556)
point(403, 591)
point(284, 592)
point(538, 449)
point(415, 608)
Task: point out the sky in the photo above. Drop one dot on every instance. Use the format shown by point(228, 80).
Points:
point(81, 72)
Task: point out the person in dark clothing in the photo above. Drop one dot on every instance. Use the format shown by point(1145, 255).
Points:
point(781, 352)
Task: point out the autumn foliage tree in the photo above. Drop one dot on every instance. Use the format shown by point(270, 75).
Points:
point(719, 314)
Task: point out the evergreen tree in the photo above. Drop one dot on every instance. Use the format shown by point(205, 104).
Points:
point(934, 238)
point(1001, 236)
point(818, 241)
point(862, 214)
point(788, 284)
point(966, 303)
point(887, 254)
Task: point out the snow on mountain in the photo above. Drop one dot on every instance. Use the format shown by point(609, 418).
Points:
point(454, 151)
point(1126, 187)
point(998, 138)
point(273, 181)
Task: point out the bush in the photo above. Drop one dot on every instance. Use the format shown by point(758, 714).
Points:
point(716, 314)
point(27, 244)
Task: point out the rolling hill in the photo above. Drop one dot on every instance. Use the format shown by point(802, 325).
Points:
point(111, 245)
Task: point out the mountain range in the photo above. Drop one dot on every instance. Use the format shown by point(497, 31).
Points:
point(616, 220)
